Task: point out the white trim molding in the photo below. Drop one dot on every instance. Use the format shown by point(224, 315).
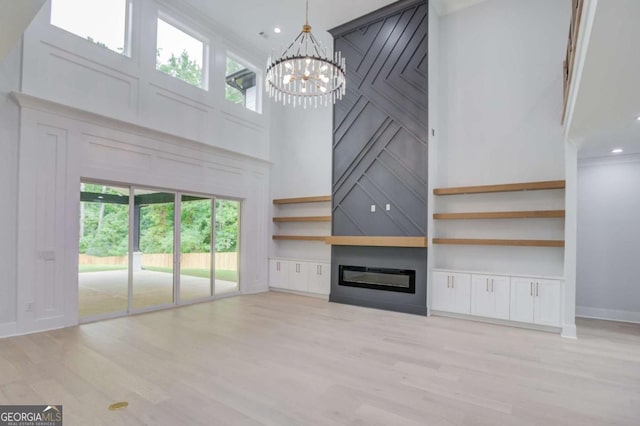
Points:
point(608, 314)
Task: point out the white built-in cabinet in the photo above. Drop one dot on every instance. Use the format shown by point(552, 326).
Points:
point(301, 276)
point(490, 296)
point(522, 299)
point(452, 292)
point(535, 300)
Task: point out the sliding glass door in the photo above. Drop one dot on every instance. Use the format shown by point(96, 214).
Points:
point(227, 244)
point(195, 248)
point(103, 261)
point(153, 243)
point(143, 249)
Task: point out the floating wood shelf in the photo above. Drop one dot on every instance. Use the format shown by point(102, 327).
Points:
point(303, 219)
point(377, 241)
point(486, 242)
point(300, 237)
point(509, 187)
point(530, 214)
point(300, 200)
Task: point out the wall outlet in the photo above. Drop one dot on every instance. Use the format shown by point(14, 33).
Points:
point(29, 307)
point(373, 208)
point(388, 207)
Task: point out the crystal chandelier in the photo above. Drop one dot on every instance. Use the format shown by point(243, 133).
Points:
point(306, 74)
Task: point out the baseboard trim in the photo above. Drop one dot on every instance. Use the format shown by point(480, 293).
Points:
point(8, 329)
point(300, 293)
point(608, 314)
point(497, 321)
point(569, 331)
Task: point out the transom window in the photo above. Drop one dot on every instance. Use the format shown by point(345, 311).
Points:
point(241, 87)
point(103, 22)
point(181, 55)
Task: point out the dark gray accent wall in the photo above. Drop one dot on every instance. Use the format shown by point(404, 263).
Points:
point(380, 127)
point(380, 134)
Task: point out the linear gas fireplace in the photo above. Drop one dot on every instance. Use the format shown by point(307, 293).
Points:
point(402, 280)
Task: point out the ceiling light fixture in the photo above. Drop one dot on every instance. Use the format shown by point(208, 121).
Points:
point(306, 73)
point(638, 118)
point(617, 150)
point(277, 30)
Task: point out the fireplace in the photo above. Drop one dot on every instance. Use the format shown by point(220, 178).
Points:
point(401, 280)
point(397, 282)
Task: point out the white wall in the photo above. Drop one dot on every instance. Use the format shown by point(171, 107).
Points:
point(501, 92)
point(87, 112)
point(500, 103)
point(301, 141)
point(9, 130)
point(68, 69)
point(608, 233)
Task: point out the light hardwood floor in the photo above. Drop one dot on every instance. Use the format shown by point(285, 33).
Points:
point(282, 359)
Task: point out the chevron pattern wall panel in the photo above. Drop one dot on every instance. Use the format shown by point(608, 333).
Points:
point(380, 127)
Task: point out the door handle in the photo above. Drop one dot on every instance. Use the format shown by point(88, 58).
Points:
point(491, 285)
point(448, 281)
point(278, 266)
point(537, 288)
point(487, 285)
point(453, 283)
point(531, 289)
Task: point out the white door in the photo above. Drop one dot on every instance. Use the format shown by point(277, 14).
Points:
point(319, 278)
point(461, 286)
point(481, 296)
point(298, 278)
point(441, 292)
point(278, 273)
point(547, 302)
point(522, 299)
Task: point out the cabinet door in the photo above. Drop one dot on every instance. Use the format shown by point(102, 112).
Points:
point(522, 299)
point(501, 291)
point(278, 273)
point(481, 296)
point(461, 286)
point(547, 302)
point(298, 279)
point(441, 292)
point(319, 278)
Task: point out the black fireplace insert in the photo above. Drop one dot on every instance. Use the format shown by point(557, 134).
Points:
point(401, 280)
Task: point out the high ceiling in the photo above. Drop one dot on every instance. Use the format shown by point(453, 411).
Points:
point(608, 100)
point(245, 19)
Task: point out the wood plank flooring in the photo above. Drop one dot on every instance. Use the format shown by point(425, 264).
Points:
point(281, 359)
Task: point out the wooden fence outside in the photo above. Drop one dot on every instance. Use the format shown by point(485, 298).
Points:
point(224, 261)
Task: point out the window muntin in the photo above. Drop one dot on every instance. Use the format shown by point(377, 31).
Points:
point(241, 84)
point(181, 55)
point(103, 22)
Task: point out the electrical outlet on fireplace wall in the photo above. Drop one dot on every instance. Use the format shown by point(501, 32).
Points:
point(373, 208)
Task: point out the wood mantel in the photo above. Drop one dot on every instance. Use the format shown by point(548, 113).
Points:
point(347, 240)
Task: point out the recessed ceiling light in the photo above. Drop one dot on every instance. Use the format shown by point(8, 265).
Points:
point(638, 118)
point(617, 150)
point(277, 30)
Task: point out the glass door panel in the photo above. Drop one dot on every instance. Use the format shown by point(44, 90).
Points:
point(227, 232)
point(195, 248)
point(153, 242)
point(103, 260)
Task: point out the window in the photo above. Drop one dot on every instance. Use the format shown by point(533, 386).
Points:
point(181, 55)
point(103, 22)
point(241, 85)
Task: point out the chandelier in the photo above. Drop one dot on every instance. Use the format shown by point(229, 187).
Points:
point(306, 74)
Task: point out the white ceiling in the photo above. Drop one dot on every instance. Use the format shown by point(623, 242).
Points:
point(245, 19)
point(608, 100)
point(14, 19)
